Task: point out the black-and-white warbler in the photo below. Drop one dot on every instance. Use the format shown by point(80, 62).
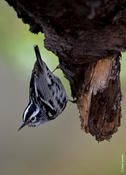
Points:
point(47, 96)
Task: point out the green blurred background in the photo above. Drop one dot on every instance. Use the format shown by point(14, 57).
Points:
point(58, 147)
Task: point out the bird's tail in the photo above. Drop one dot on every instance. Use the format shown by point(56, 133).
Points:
point(38, 57)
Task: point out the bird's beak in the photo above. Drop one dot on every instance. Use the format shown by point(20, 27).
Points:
point(22, 126)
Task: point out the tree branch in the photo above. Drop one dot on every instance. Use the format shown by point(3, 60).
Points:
point(87, 36)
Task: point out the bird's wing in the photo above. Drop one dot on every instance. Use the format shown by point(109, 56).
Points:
point(42, 90)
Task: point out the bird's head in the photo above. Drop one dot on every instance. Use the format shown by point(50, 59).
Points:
point(34, 116)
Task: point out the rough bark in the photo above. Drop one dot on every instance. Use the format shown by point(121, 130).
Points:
point(87, 36)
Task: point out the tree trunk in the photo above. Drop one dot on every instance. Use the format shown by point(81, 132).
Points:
point(87, 36)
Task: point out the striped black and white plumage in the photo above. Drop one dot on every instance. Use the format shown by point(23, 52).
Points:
point(47, 96)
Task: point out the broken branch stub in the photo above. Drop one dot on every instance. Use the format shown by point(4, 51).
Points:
point(100, 104)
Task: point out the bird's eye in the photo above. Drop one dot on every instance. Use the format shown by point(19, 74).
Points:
point(33, 119)
point(49, 114)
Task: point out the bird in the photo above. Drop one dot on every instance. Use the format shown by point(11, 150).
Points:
point(47, 95)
